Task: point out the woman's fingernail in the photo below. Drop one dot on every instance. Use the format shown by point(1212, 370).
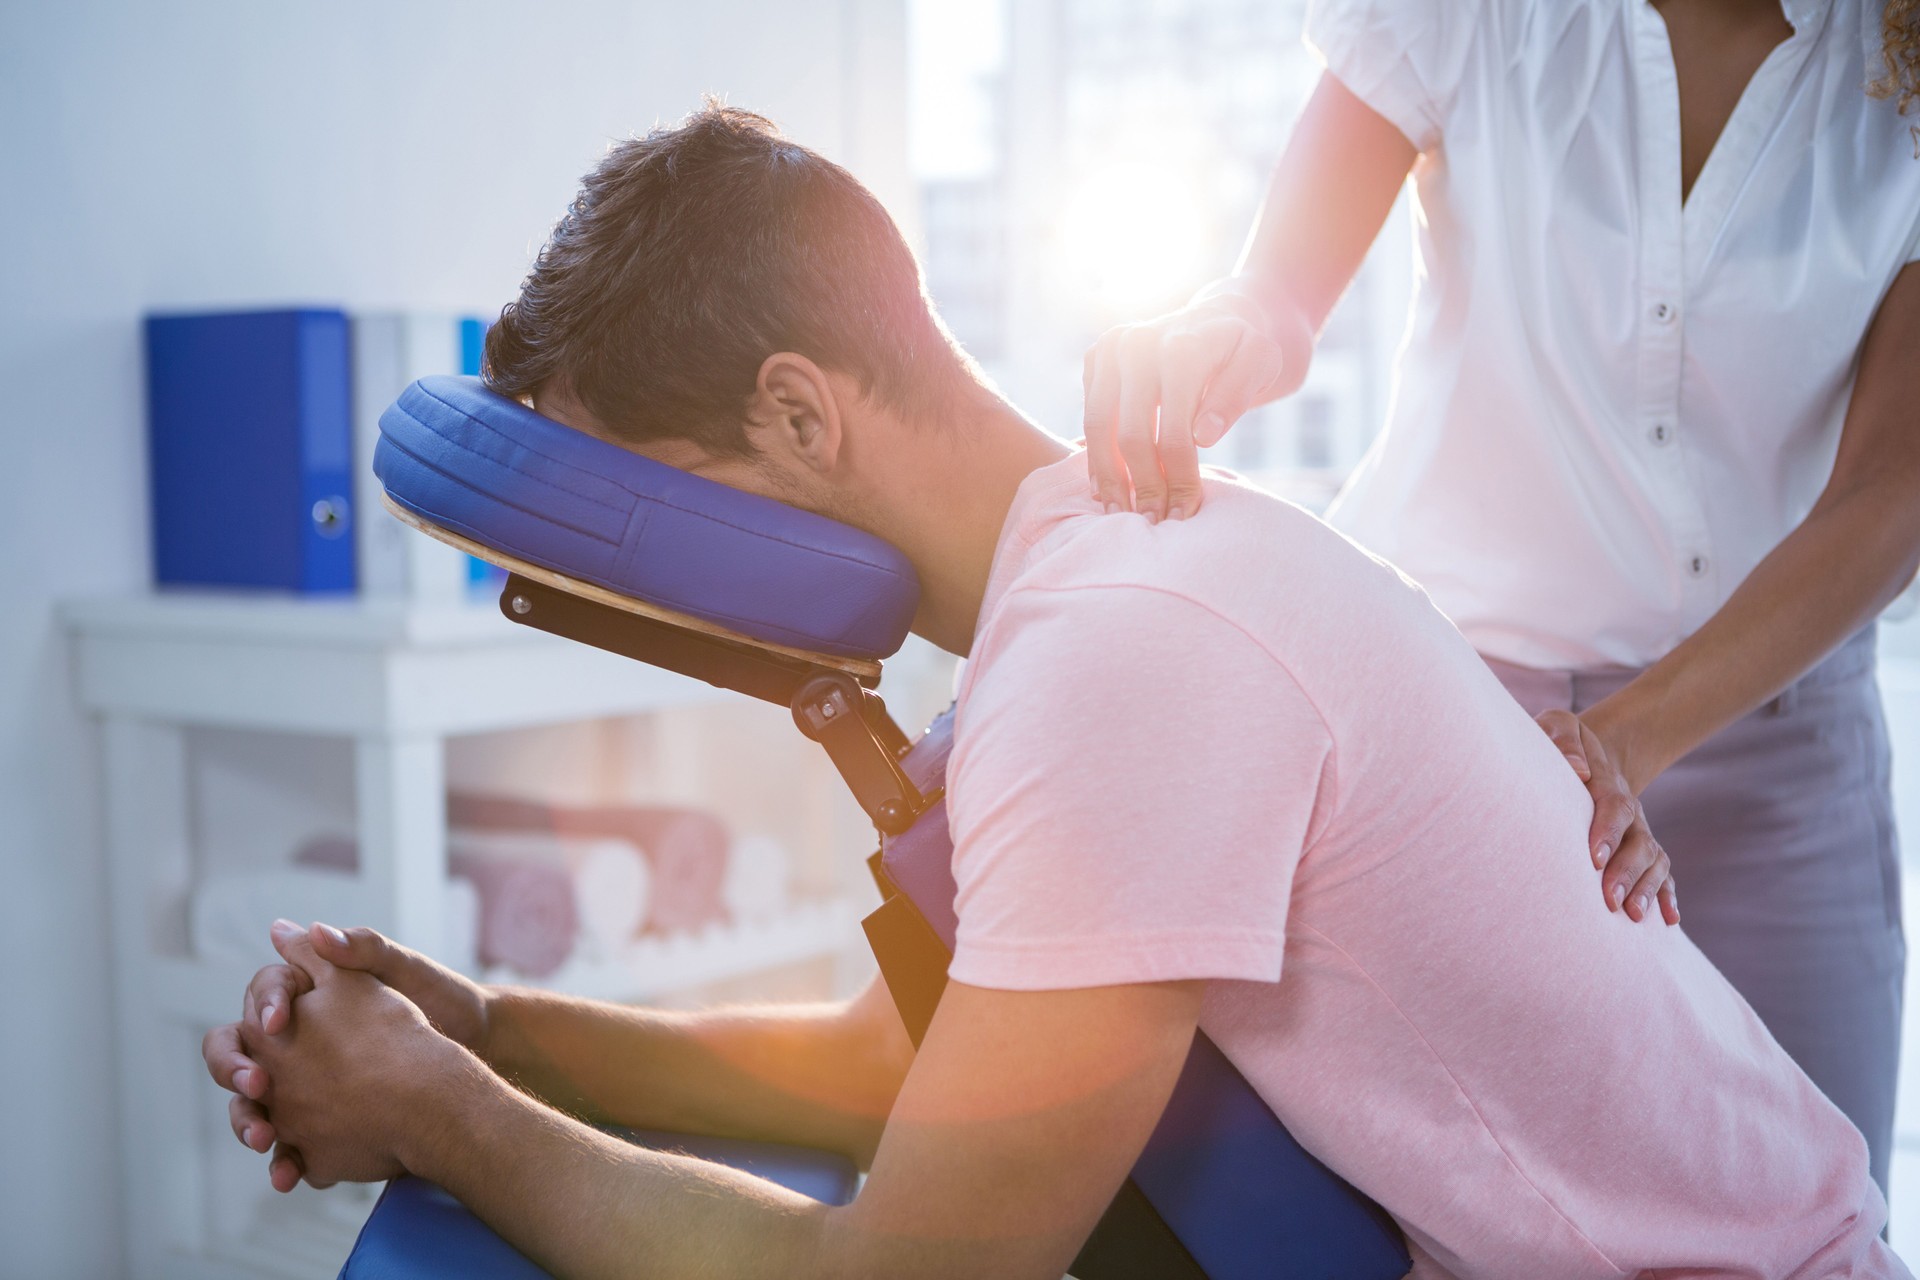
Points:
point(246, 1135)
point(1601, 854)
point(243, 1079)
point(1640, 904)
point(266, 1013)
point(1113, 508)
point(1178, 513)
point(1619, 896)
point(1207, 430)
point(334, 936)
point(283, 925)
point(1153, 517)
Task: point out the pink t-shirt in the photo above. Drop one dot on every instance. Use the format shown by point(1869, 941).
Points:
point(1239, 748)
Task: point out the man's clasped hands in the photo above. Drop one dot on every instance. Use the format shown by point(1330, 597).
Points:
point(358, 1086)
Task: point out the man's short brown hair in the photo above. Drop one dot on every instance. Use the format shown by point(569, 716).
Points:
point(694, 253)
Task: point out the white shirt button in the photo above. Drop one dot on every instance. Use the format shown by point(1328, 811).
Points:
point(1660, 433)
point(1664, 312)
point(1697, 566)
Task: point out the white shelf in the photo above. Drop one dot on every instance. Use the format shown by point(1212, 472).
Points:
point(656, 966)
point(397, 681)
point(351, 667)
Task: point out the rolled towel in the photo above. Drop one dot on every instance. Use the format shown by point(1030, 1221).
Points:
point(759, 879)
point(334, 852)
point(528, 916)
point(610, 879)
point(686, 848)
point(229, 915)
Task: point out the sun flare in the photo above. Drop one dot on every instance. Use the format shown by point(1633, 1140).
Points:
point(1134, 237)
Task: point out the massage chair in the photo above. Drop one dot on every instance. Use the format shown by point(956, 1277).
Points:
point(611, 549)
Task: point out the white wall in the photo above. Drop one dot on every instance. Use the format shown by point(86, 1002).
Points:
point(228, 154)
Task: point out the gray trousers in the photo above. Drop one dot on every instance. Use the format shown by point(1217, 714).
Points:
point(1780, 829)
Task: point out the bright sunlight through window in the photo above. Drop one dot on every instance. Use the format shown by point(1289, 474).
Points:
point(1131, 236)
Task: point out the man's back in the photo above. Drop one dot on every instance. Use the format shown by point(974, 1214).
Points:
point(1237, 748)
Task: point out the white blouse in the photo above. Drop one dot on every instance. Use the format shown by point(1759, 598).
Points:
point(1611, 407)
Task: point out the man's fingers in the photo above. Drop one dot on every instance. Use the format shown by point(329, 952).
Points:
point(250, 1124)
point(1135, 428)
point(229, 1064)
point(270, 997)
point(1101, 379)
point(285, 1169)
point(367, 950)
point(296, 948)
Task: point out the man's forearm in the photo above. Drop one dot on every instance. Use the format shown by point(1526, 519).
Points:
point(1825, 581)
point(583, 1204)
point(821, 1075)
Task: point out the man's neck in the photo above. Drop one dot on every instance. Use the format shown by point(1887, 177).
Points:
point(948, 520)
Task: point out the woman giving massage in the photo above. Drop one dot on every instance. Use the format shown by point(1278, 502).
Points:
point(1655, 440)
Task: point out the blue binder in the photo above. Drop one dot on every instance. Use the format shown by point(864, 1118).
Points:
point(250, 450)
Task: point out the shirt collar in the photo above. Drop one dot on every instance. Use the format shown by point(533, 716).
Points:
point(1805, 14)
point(1057, 489)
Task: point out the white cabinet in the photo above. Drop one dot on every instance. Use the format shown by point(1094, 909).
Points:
point(395, 681)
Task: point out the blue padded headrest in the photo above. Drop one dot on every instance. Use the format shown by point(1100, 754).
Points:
point(494, 471)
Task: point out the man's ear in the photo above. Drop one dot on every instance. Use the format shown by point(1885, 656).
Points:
point(794, 415)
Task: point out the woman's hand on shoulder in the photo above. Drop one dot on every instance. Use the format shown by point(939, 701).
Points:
point(1160, 390)
point(1635, 873)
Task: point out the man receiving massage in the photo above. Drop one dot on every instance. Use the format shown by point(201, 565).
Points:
point(1401, 948)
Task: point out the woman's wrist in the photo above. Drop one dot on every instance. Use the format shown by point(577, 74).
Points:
point(1274, 314)
point(1628, 724)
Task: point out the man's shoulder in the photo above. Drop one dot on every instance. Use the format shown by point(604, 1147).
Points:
point(1241, 560)
point(1116, 609)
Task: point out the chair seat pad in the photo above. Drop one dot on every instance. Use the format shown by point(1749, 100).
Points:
point(417, 1231)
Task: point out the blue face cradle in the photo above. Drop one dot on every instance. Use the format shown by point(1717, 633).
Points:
point(494, 471)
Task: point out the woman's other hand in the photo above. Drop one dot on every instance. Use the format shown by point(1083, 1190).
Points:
point(1158, 391)
point(1635, 871)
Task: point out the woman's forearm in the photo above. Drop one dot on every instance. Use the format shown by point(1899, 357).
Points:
point(1828, 578)
point(821, 1075)
point(1326, 202)
point(1825, 581)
